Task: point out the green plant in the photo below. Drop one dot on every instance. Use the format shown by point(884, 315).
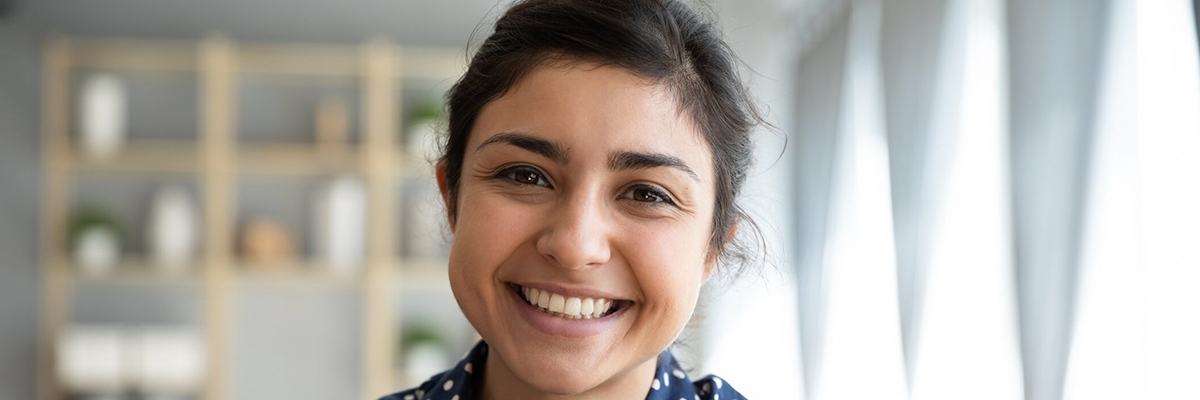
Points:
point(430, 109)
point(91, 217)
point(422, 333)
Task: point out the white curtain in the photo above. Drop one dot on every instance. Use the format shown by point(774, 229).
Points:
point(999, 199)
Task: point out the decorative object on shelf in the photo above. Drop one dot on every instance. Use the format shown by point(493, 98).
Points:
point(103, 119)
point(90, 359)
point(266, 243)
point(339, 227)
point(423, 229)
point(332, 124)
point(421, 136)
point(167, 361)
point(107, 360)
point(172, 230)
point(95, 240)
point(425, 352)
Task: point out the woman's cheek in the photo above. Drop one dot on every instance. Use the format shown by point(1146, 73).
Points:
point(668, 279)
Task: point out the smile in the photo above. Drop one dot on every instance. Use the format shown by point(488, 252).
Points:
point(568, 307)
point(566, 313)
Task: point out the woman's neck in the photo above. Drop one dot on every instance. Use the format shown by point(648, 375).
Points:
point(500, 383)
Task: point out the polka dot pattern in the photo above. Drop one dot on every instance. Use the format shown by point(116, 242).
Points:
point(670, 382)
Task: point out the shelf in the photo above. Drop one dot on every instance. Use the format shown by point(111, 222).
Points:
point(142, 157)
point(289, 60)
point(432, 63)
point(298, 273)
point(409, 167)
point(292, 60)
point(298, 159)
point(135, 55)
point(273, 158)
point(136, 271)
point(422, 274)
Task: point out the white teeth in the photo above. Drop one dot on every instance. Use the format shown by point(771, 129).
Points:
point(557, 302)
point(572, 307)
point(567, 307)
point(586, 306)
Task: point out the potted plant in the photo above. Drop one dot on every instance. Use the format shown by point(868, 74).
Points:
point(95, 241)
point(420, 137)
point(424, 352)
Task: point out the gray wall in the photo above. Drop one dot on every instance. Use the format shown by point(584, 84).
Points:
point(19, 60)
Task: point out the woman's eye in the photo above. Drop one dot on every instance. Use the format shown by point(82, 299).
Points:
point(525, 175)
point(648, 194)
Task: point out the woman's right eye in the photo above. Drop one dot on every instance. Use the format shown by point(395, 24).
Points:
point(524, 175)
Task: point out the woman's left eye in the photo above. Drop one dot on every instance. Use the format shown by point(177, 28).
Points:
point(647, 194)
point(524, 175)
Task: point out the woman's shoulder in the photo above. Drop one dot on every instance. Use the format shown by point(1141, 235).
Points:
point(672, 383)
point(713, 387)
point(457, 383)
point(417, 392)
point(453, 384)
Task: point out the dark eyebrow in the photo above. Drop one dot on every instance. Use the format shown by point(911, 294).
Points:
point(546, 148)
point(633, 160)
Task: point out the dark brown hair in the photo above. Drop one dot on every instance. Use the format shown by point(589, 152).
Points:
point(663, 41)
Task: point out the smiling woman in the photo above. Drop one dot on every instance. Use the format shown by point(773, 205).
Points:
point(595, 153)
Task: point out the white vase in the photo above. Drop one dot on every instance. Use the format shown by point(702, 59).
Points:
point(172, 231)
point(422, 360)
point(339, 224)
point(97, 249)
point(104, 115)
point(420, 142)
point(424, 231)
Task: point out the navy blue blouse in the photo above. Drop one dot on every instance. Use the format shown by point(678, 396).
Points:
point(670, 382)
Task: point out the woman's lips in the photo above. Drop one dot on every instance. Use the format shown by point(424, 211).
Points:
point(560, 317)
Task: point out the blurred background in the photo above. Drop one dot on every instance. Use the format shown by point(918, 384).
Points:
point(986, 199)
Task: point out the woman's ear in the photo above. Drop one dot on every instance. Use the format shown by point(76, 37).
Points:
point(447, 196)
point(710, 265)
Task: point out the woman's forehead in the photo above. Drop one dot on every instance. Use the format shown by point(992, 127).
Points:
point(596, 111)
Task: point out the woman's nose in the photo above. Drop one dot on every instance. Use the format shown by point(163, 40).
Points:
point(577, 235)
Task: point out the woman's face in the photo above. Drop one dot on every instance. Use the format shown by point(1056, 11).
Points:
point(584, 183)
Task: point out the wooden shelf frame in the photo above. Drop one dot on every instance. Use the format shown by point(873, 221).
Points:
point(216, 160)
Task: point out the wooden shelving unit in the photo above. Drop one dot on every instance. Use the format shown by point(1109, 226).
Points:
point(216, 160)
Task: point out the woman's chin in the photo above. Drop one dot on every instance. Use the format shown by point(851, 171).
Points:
point(547, 383)
point(558, 374)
